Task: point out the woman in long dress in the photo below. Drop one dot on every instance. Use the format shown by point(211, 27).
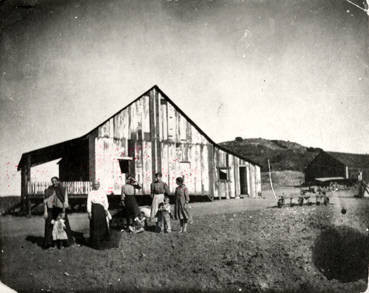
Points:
point(181, 207)
point(98, 213)
point(129, 200)
point(159, 190)
point(55, 203)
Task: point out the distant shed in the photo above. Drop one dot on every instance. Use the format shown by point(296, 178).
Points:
point(334, 164)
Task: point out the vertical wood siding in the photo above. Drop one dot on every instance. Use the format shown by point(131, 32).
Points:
point(91, 159)
point(237, 176)
point(160, 138)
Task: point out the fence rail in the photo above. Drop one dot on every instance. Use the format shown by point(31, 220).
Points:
point(73, 187)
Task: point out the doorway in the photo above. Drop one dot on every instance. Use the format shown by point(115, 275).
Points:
point(243, 181)
point(126, 167)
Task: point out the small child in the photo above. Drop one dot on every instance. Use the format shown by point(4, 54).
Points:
point(139, 224)
point(164, 214)
point(59, 235)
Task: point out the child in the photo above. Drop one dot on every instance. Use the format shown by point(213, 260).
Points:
point(139, 224)
point(164, 214)
point(59, 235)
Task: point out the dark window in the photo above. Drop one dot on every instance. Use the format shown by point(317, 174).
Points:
point(124, 166)
point(223, 174)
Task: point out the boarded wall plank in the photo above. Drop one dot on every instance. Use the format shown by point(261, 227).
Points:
point(172, 167)
point(147, 166)
point(237, 177)
point(171, 123)
point(157, 133)
point(232, 193)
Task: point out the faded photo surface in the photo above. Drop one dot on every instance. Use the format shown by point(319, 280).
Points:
point(184, 145)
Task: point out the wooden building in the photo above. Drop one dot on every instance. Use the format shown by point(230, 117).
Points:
point(338, 165)
point(150, 134)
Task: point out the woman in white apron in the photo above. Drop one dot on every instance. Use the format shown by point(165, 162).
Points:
point(158, 190)
point(98, 213)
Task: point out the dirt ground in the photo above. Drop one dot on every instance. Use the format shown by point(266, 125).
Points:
point(245, 245)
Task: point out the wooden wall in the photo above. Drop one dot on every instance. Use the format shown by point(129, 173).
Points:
point(156, 135)
point(324, 165)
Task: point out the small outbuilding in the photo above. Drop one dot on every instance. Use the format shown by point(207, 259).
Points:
point(344, 166)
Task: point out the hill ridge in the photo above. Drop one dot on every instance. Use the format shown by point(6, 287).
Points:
point(283, 154)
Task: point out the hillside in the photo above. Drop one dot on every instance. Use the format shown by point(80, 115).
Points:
point(283, 155)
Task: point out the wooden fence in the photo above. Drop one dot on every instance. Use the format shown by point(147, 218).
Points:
point(73, 187)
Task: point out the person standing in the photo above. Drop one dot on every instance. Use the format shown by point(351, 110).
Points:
point(59, 235)
point(164, 215)
point(55, 203)
point(129, 200)
point(98, 213)
point(181, 207)
point(159, 189)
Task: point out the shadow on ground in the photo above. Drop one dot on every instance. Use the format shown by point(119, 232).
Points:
point(39, 241)
point(342, 253)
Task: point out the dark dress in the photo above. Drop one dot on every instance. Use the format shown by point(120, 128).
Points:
point(54, 208)
point(131, 207)
point(101, 237)
point(99, 229)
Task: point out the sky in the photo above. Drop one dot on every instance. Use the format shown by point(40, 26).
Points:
point(276, 69)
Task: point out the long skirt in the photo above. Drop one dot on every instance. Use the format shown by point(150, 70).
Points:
point(158, 198)
point(99, 227)
point(181, 211)
point(52, 215)
point(132, 209)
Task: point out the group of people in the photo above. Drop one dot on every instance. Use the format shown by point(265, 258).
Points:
point(57, 228)
point(160, 212)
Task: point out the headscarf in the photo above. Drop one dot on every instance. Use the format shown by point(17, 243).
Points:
point(131, 180)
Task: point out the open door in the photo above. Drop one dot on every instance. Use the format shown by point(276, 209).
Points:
point(125, 167)
point(243, 181)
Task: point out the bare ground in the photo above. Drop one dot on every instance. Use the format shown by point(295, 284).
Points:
point(237, 245)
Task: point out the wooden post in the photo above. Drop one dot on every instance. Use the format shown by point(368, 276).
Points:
point(28, 179)
point(91, 158)
point(270, 179)
point(25, 179)
point(23, 188)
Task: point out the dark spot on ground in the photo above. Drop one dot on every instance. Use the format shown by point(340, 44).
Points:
point(342, 253)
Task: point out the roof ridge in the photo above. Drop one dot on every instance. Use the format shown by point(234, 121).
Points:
point(122, 109)
point(157, 88)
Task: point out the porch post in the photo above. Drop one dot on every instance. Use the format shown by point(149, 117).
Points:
point(23, 188)
point(25, 178)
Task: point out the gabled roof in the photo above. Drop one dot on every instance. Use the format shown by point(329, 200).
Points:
point(57, 147)
point(155, 87)
point(352, 160)
point(358, 161)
